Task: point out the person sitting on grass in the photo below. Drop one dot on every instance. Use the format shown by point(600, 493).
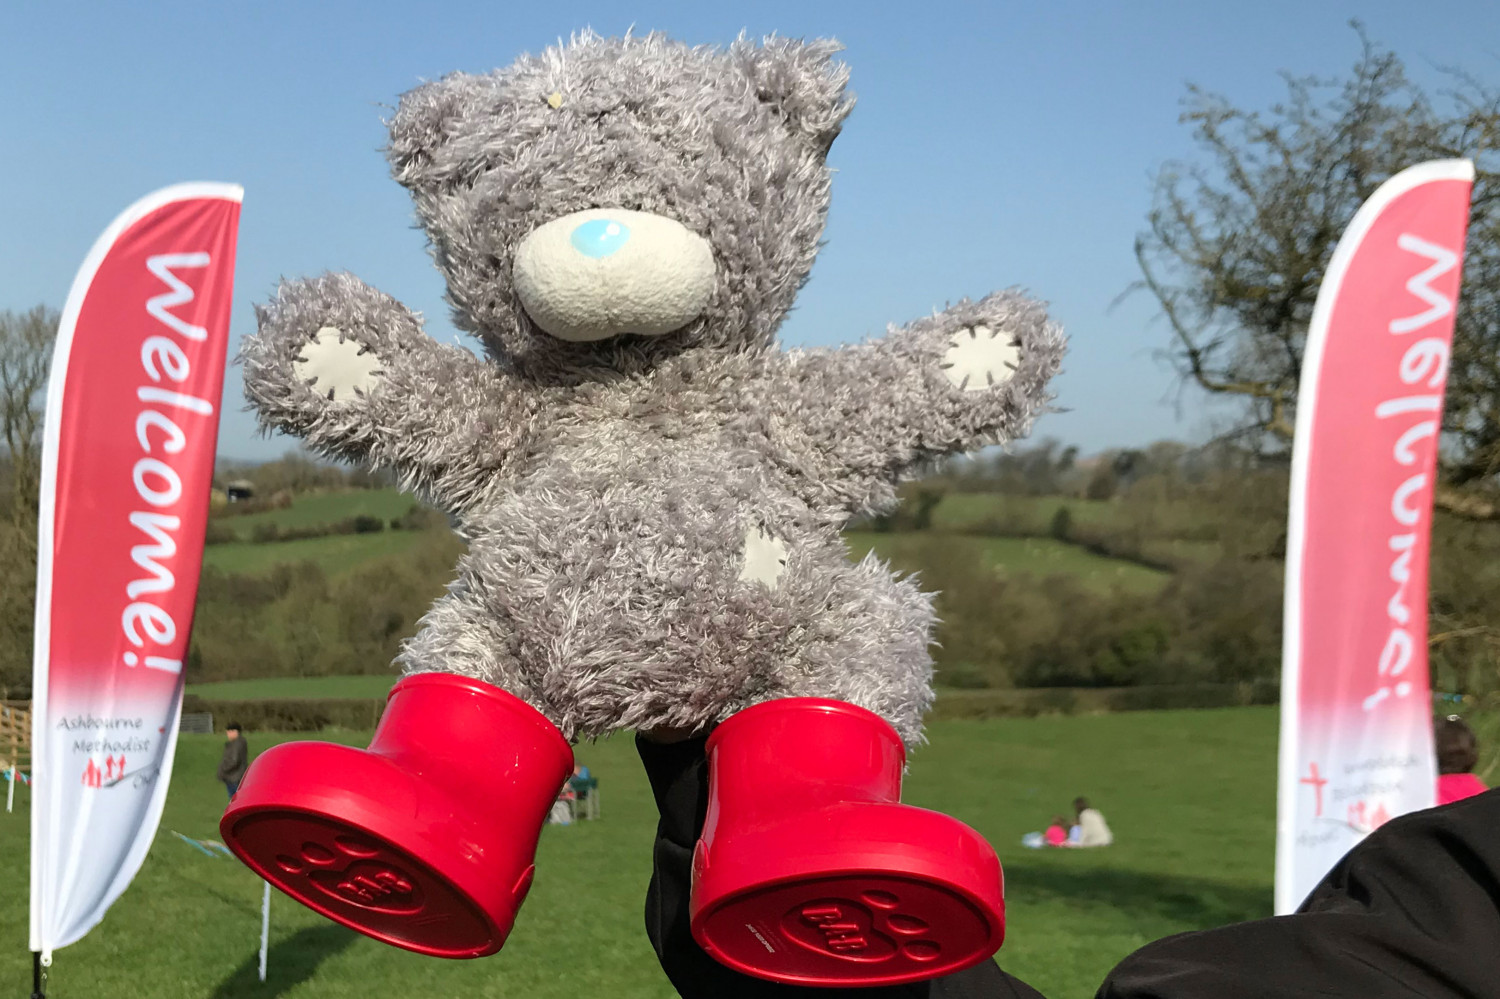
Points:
point(1457, 755)
point(1092, 829)
point(1057, 832)
point(562, 808)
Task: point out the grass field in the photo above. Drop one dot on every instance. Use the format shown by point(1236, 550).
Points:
point(296, 687)
point(1189, 795)
point(1034, 556)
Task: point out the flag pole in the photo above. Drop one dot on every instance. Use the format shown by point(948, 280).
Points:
point(38, 976)
point(265, 926)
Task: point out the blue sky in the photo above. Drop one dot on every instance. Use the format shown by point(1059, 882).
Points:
point(994, 144)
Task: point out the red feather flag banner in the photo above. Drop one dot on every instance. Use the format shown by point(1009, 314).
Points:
point(131, 430)
point(1356, 706)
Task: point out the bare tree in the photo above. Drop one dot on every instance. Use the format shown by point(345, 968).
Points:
point(26, 341)
point(1238, 242)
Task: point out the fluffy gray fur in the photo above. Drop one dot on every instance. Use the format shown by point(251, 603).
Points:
point(606, 488)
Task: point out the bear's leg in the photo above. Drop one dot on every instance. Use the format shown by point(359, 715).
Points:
point(868, 646)
point(384, 840)
point(810, 871)
point(464, 635)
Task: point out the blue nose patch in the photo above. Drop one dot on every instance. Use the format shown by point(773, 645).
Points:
point(599, 237)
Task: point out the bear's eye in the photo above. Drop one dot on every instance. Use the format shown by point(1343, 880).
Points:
point(554, 100)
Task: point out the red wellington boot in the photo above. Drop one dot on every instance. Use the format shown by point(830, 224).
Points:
point(427, 839)
point(811, 872)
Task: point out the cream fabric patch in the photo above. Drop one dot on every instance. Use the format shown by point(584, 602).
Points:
point(335, 367)
point(980, 359)
point(765, 558)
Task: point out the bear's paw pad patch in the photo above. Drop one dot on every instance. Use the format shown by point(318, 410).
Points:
point(979, 359)
point(337, 367)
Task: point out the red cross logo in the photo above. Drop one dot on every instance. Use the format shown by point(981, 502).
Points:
point(1318, 783)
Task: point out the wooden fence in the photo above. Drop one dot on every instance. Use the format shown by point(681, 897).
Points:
point(15, 735)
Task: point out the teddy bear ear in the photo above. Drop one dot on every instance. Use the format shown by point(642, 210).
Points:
point(426, 119)
point(803, 81)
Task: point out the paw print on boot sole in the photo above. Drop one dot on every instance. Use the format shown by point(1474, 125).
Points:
point(337, 367)
point(355, 872)
point(868, 930)
point(980, 359)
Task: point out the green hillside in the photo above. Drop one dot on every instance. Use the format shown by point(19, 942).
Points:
point(341, 603)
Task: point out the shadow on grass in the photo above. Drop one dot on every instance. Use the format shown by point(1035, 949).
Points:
point(230, 901)
point(1193, 902)
point(288, 964)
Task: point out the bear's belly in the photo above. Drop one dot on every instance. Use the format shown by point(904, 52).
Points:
point(675, 555)
point(634, 588)
point(638, 529)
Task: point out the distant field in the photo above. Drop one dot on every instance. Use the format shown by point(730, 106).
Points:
point(966, 511)
point(295, 688)
point(960, 511)
point(335, 553)
point(1176, 550)
point(326, 508)
point(1035, 556)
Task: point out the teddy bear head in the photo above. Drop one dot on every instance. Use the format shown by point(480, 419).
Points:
point(612, 202)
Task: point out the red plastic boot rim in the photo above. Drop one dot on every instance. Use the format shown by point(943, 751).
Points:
point(806, 708)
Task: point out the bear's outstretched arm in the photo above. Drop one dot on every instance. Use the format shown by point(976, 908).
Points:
point(863, 416)
point(348, 369)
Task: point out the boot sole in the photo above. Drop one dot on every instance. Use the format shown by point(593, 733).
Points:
point(859, 928)
point(358, 878)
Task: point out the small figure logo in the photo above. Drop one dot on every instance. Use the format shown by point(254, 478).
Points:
point(114, 771)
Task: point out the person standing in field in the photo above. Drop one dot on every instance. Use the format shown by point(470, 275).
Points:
point(1457, 755)
point(236, 758)
point(1092, 829)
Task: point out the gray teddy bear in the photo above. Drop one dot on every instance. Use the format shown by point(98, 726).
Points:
point(652, 491)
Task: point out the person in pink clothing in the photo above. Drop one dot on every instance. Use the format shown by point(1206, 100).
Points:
point(1057, 832)
point(1457, 755)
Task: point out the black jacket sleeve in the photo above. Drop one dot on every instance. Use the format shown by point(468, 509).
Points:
point(679, 781)
point(1413, 910)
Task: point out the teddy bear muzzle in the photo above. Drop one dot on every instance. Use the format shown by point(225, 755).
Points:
point(599, 273)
